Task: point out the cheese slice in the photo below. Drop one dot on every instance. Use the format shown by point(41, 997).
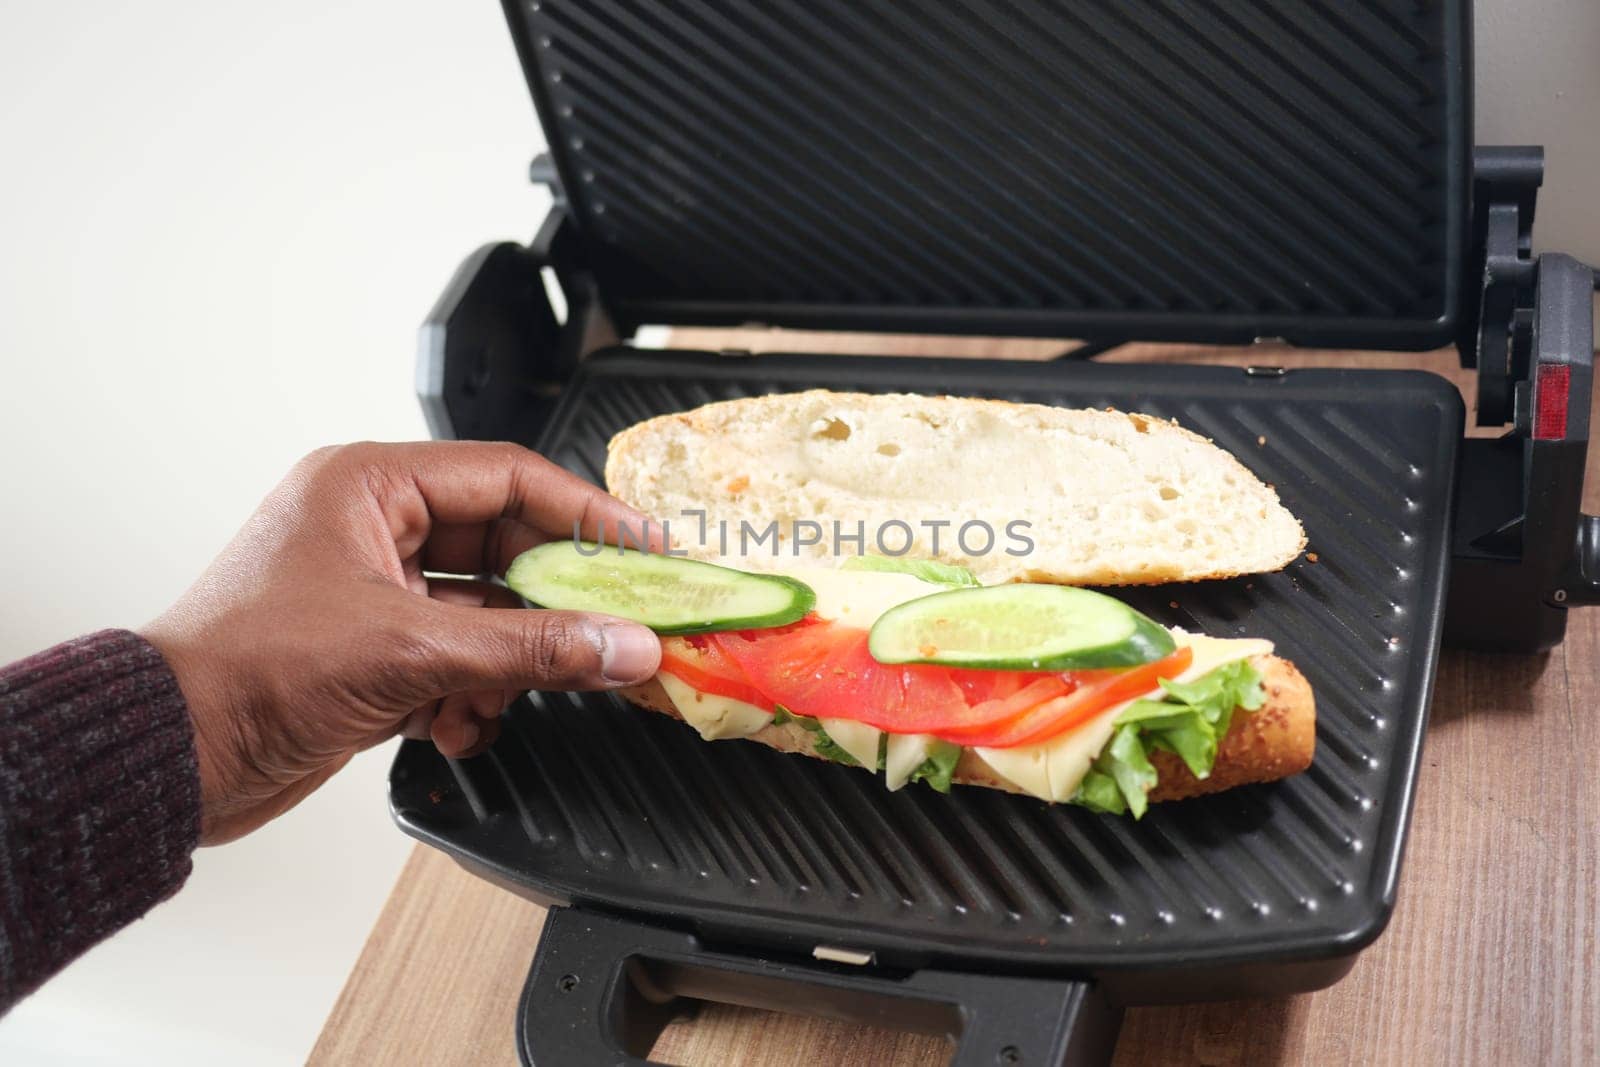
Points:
point(1213, 652)
point(859, 598)
point(903, 755)
point(716, 717)
point(856, 738)
point(1053, 769)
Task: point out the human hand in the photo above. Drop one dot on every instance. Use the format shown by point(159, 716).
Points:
point(321, 629)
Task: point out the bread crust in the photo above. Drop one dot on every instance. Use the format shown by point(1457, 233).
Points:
point(1274, 741)
point(654, 463)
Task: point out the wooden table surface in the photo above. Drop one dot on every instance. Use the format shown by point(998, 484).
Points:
point(1492, 956)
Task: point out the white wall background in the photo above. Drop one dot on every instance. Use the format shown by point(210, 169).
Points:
point(1538, 82)
point(219, 225)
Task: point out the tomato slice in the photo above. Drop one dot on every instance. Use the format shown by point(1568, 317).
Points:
point(825, 671)
point(1061, 712)
point(700, 662)
point(702, 665)
point(981, 686)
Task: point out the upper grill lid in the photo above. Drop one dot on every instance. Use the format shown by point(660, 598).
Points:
point(1164, 169)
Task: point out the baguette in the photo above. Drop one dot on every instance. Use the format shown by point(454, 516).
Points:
point(1107, 498)
point(1274, 741)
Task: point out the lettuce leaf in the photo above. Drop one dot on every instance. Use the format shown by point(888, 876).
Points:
point(1099, 793)
point(1128, 764)
point(828, 748)
point(1187, 722)
point(926, 569)
point(824, 745)
point(939, 766)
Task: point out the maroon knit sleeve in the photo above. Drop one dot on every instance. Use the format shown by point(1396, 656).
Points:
point(99, 799)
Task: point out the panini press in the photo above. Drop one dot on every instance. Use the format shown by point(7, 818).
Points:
point(1228, 172)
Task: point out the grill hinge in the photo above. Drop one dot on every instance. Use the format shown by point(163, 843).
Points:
point(1497, 324)
point(1524, 552)
point(495, 351)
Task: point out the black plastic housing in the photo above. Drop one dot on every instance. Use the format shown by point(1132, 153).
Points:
point(492, 356)
point(602, 988)
point(1524, 552)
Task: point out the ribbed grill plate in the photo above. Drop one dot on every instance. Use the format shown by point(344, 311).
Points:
point(1217, 171)
point(587, 799)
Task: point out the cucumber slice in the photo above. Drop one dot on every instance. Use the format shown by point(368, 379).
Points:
point(669, 594)
point(1018, 628)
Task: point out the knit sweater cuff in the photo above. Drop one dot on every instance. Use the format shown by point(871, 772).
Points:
point(99, 799)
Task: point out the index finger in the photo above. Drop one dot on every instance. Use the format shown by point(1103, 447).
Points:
point(468, 482)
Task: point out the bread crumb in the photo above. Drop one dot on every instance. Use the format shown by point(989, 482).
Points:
point(1172, 603)
point(1261, 440)
point(739, 484)
point(1311, 557)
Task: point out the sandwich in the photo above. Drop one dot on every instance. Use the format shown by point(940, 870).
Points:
point(790, 617)
point(1060, 693)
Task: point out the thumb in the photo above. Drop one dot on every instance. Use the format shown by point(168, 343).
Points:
point(499, 648)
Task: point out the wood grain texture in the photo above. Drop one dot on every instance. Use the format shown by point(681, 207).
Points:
point(1492, 957)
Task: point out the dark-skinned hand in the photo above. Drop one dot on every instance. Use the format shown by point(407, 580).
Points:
point(324, 628)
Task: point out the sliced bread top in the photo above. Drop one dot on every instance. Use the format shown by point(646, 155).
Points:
point(1080, 497)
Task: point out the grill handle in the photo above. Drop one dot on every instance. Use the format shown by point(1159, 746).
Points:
point(602, 988)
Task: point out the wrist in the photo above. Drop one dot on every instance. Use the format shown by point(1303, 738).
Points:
point(216, 725)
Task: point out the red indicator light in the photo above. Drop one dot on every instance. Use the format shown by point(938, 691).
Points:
point(1550, 401)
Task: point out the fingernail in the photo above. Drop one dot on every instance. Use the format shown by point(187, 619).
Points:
point(469, 734)
point(628, 653)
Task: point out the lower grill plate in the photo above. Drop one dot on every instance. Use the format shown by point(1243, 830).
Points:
point(587, 800)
